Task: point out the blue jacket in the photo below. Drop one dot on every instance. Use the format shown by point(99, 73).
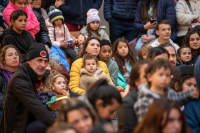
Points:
point(165, 10)
point(75, 11)
point(191, 110)
point(63, 60)
point(122, 9)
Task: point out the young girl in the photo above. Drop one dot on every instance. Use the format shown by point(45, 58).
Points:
point(125, 59)
point(93, 28)
point(17, 35)
point(55, 85)
point(59, 35)
point(144, 50)
point(61, 127)
point(185, 55)
point(158, 74)
point(33, 26)
point(90, 73)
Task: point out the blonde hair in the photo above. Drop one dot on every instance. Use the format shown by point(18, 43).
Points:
point(145, 47)
point(49, 82)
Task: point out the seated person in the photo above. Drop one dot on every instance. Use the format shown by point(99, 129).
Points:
point(143, 52)
point(157, 52)
point(3, 24)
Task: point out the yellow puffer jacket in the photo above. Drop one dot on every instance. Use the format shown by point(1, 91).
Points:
point(75, 75)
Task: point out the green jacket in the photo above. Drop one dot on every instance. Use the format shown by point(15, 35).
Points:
point(113, 70)
point(121, 80)
point(101, 31)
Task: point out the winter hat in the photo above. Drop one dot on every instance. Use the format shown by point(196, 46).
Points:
point(93, 15)
point(37, 50)
point(55, 14)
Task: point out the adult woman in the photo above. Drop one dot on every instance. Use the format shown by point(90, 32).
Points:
point(127, 119)
point(187, 16)
point(78, 114)
point(33, 26)
point(9, 58)
point(104, 99)
point(91, 46)
point(164, 116)
point(157, 10)
point(192, 39)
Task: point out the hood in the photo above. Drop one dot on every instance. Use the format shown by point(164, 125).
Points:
point(144, 91)
point(8, 31)
point(84, 71)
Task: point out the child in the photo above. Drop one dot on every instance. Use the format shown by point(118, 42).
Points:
point(93, 29)
point(90, 73)
point(144, 50)
point(125, 59)
point(158, 74)
point(105, 56)
point(185, 55)
point(55, 85)
point(59, 33)
point(61, 127)
point(17, 35)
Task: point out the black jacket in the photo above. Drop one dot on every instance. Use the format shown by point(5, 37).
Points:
point(3, 87)
point(21, 104)
point(22, 42)
point(75, 11)
point(42, 36)
point(127, 120)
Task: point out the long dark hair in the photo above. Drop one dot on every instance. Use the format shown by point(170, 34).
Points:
point(119, 60)
point(151, 123)
point(145, 7)
point(155, 52)
point(89, 31)
point(15, 15)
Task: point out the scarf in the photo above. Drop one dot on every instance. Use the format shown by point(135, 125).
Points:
point(7, 73)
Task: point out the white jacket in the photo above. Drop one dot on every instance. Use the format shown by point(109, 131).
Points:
point(184, 16)
point(156, 44)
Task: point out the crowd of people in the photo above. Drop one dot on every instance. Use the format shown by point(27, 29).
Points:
point(144, 75)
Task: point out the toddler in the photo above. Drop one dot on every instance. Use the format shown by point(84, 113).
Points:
point(158, 75)
point(53, 92)
point(90, 73)
point(105, 56)
point(185, 55)
point(144, 50)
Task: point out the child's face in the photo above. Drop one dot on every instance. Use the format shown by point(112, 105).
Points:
point(186, 55)
point(20, 3)
point(20, 23)
point(94, 25)
point(105, 53)
point(122, 49)
point(142, 78)
point(68, 131)
point(60, 85)
point(91, 66)
point(160, 79)
point(189, 83)
point(58, 22)
point(144, 54)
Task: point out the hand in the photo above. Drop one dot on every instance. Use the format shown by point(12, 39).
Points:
point(47, 48)
point(58, 3)
point(66, 93)
point(122, 94)
point(126, 90)
point(148, 39)
point(150, 25)
point(198, 19)
point(63, 44)
point(1, 29)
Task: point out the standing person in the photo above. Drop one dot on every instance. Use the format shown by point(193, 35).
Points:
point(121, 16)
point(21, 98)
point(75, 12)
point(9, 58)
point(154, 10)
point(33, 26)
point(187, 16)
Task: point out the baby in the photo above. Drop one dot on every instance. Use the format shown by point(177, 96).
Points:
point(90, 73)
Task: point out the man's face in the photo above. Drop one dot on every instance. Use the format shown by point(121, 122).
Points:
point(164, 31)
point(172, 55)
point(39, 65)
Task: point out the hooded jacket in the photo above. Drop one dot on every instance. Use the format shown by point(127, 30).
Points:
point(87, 79)
point(21, 104)
point(22, 42)
point(3, 88)
point(146, 97)
point(33, 26)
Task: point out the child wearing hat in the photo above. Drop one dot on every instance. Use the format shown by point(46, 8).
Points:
point(59, 34)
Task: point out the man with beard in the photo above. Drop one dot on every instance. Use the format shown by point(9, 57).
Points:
point(22, 107)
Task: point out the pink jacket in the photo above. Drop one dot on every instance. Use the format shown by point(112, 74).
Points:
point(33, 26)
point(59, 32)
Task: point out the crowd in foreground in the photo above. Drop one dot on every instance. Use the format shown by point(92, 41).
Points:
point(145, 75)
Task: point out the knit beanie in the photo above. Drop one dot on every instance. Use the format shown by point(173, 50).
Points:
point(93, 15)
point(54, 15)
point(37, 50)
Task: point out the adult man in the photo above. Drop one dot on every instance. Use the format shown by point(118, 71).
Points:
point(121, 15)
point(163, 30)
point(21, 105)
